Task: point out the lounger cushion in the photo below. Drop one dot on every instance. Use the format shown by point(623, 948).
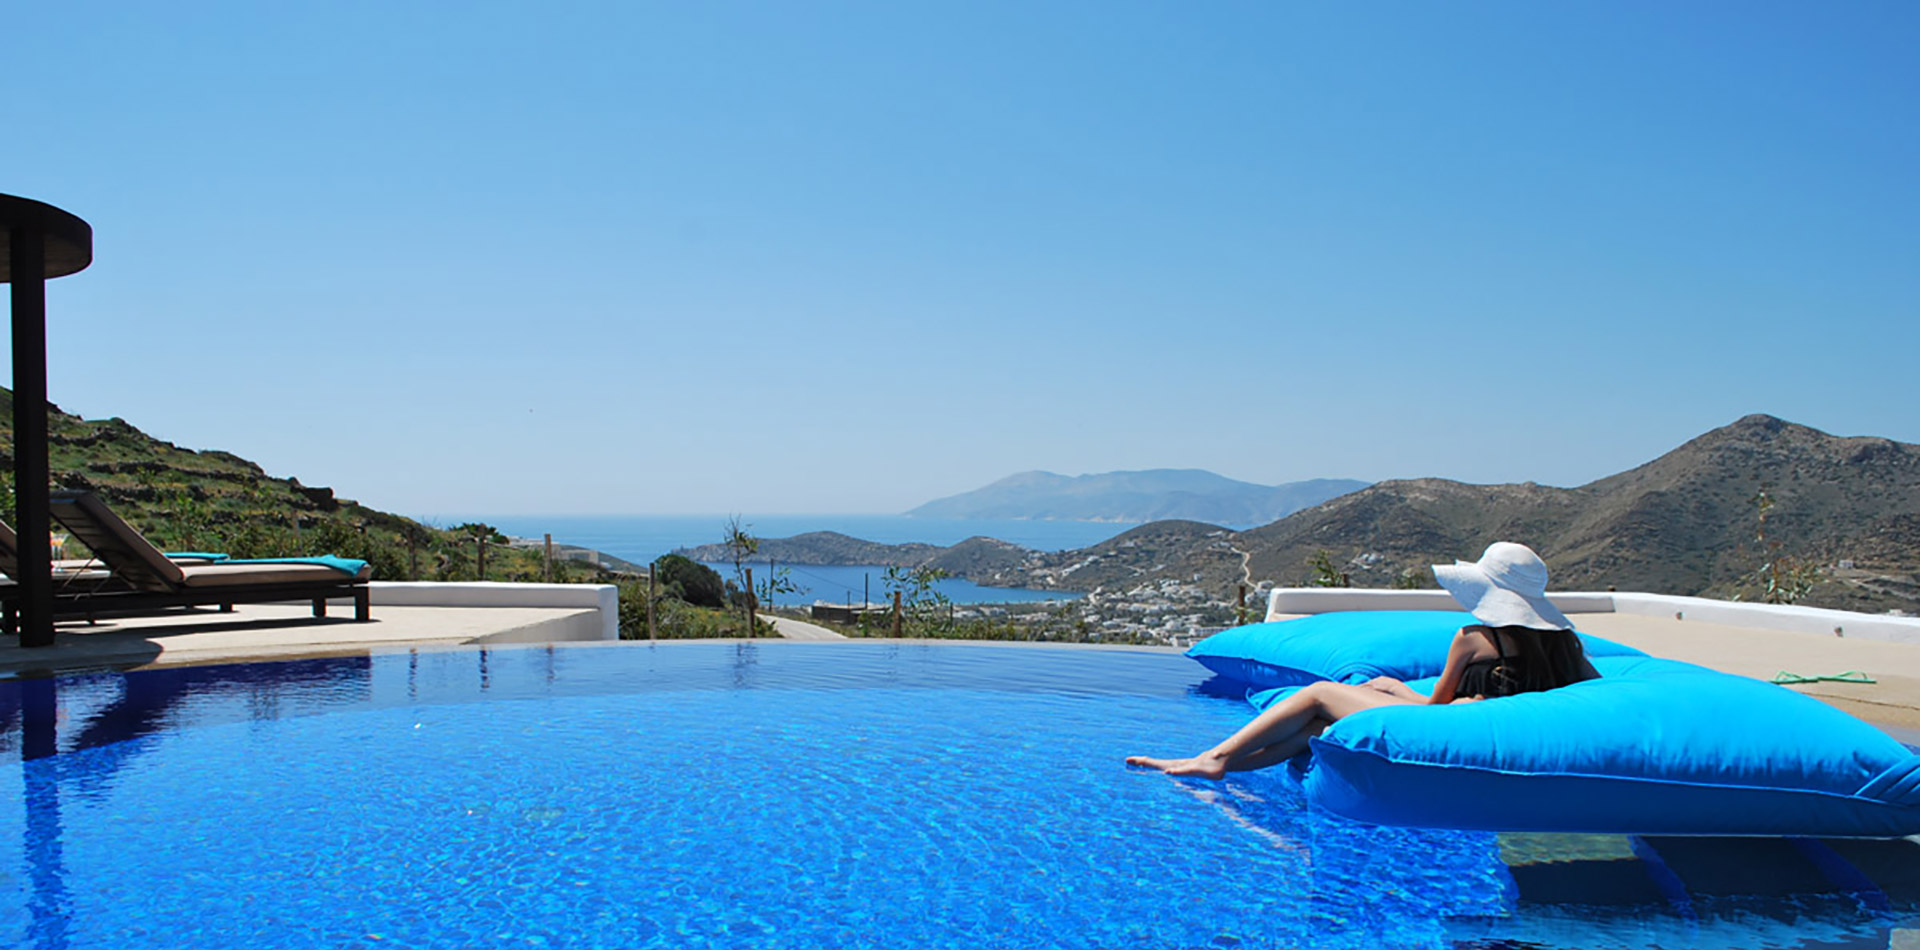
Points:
point(230, 574)
point(1347, 646)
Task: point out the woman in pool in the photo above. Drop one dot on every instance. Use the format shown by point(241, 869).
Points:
point(1522, 644)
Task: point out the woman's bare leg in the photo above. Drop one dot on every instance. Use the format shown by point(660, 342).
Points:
point(1283, 726)
point(1278, 752)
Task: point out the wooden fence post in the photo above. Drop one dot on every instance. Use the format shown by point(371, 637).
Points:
point(649, 601)
point(750, 604)
point(898, 620)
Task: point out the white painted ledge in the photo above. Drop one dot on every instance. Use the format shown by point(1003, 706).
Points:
point(604, 598)
point(1293, 601)
point(1320, 600)
point(1814, 620)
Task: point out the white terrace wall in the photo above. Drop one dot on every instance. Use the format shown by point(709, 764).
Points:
point(1294, 601)
point(1814, 620)
point(603, 600)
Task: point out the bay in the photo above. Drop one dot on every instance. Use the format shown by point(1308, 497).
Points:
point(848, 583)
point(642, 538)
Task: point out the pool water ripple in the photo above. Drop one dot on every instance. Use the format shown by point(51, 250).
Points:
point(785, 796)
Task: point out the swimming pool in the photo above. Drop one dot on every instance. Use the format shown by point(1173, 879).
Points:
point(784, 795)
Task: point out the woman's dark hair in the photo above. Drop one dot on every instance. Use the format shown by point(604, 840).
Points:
point(1538, 659)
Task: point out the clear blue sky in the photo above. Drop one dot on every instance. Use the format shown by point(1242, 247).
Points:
point(828, 257)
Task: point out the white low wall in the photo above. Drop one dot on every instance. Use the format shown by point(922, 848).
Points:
point(1815, 620)
point(604, 598)
point(1320, 600)
point(1292, 601)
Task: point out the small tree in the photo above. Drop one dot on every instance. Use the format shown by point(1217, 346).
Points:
point(1325, 572)
point(415, 537)
point(925, 606)
point(778, 581)
point(633, 610)
point(1413, 578)
point(481, 535)
point(741, 546)
point(1780, 578)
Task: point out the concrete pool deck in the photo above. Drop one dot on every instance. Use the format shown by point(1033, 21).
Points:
point(404, 616)
point(281, 632)
point(1892, 700)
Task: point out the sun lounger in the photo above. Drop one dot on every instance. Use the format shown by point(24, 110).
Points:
point(71, 567)
point(78, 583)
point(149, 579)
point(73, 579)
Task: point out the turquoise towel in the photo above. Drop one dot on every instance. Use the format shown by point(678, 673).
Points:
point(344, 565)
point(196, 555)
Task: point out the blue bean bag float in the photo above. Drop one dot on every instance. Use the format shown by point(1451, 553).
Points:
point(1350, 646)
point(1652, 747)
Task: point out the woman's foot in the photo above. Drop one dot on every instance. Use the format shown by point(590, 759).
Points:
point(1197, 767)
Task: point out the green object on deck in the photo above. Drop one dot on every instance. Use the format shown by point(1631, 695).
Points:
point(1785, 678)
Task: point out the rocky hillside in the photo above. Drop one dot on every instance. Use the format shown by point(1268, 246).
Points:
point(1176, 549)
point(183, 499)
point(1683, 523)
point(981, 557)
point(1154, 495)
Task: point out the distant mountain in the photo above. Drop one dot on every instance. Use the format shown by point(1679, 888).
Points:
point(1130, 497)
point(1683, 523)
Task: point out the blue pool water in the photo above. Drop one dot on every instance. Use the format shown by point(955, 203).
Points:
point(762, 795)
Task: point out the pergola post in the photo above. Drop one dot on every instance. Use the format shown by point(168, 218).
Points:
point(41, 242)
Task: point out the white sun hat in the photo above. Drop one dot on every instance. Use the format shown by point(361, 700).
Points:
point(1507, 587)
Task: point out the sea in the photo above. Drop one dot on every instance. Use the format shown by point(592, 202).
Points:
point(641, 538)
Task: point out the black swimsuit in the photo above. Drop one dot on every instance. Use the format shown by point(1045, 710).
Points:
point(1501, 676)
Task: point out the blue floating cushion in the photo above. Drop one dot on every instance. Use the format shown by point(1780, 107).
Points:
point(1347, 646)
point(1652, 747)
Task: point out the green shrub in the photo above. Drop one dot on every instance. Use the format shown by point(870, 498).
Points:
point(675, 619)
point(690, 581)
